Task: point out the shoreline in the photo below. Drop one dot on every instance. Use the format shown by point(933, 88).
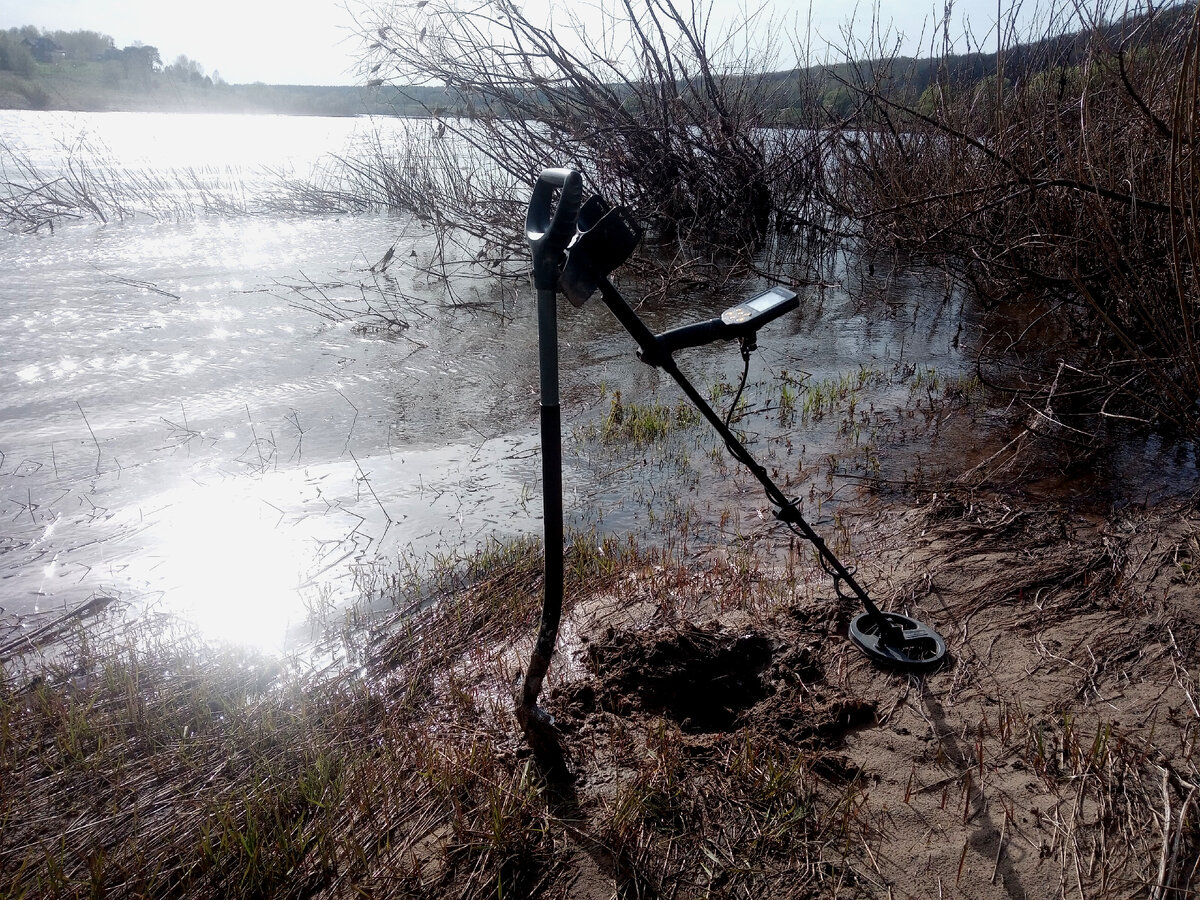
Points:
point(66, 91)
point(1071, 691)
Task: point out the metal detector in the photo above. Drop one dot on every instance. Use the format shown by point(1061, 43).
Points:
point(602, 239)
point(549, 227)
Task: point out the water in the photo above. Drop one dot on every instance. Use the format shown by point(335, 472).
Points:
point(165, 141)
point(177, 431)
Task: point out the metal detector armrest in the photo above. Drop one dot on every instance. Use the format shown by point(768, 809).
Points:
point(550, 222)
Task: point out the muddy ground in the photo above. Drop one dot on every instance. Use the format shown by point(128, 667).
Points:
point(1052, 756)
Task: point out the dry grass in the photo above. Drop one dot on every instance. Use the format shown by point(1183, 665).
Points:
point(724, 739)
point(145, 764)
point(142, 763)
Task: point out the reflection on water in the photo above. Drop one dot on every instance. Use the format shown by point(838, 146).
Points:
point(225, 558)
point(166, 141)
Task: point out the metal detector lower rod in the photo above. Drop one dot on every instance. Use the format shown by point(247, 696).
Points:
point(552, 511)
point(787, 509)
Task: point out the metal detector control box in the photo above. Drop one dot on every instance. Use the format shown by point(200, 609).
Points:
point(739, 322)
point(753, 314)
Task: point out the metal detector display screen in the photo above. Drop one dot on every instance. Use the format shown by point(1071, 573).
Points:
point(765, 302)
point(761, 309)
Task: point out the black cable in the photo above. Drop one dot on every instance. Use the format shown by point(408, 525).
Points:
point(746, 348)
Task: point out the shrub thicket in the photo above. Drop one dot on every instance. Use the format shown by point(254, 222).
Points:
point(657, 109)
point(1066, 181)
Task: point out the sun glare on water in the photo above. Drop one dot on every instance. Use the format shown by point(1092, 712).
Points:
point(228, 563)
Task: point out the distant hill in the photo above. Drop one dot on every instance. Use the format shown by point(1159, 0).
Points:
point(72, 89)
point(907, 78)
point(84, 71)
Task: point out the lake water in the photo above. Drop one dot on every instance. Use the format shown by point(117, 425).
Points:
point(179, 432)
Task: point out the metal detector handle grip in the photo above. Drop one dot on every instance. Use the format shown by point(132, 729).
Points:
point(549, 227)
point(696, 335)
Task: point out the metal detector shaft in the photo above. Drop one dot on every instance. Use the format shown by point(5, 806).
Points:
point(552, 502)
point(787, 512)
point(549, 226)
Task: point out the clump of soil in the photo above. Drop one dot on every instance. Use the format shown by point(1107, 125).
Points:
point(708, 679)
point(698, 677)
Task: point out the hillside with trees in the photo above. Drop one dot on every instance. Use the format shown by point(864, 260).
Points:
point(86, 71)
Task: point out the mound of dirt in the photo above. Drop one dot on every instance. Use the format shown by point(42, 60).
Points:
point(710, 680)
point(698, 677)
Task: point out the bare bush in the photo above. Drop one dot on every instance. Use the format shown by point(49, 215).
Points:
point(656, 107)
point(1066, 179)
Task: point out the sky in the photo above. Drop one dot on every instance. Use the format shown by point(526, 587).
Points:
point(313, 41)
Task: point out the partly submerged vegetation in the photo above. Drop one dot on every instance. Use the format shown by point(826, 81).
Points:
point(1062, 189)
point(1057, 187)
point(1061, 181)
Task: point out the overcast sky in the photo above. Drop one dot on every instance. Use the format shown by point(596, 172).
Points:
point(312, 41)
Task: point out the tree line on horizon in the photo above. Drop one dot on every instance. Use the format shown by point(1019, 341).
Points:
point(86, 71)
point(33, 55)
point(23, 49)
